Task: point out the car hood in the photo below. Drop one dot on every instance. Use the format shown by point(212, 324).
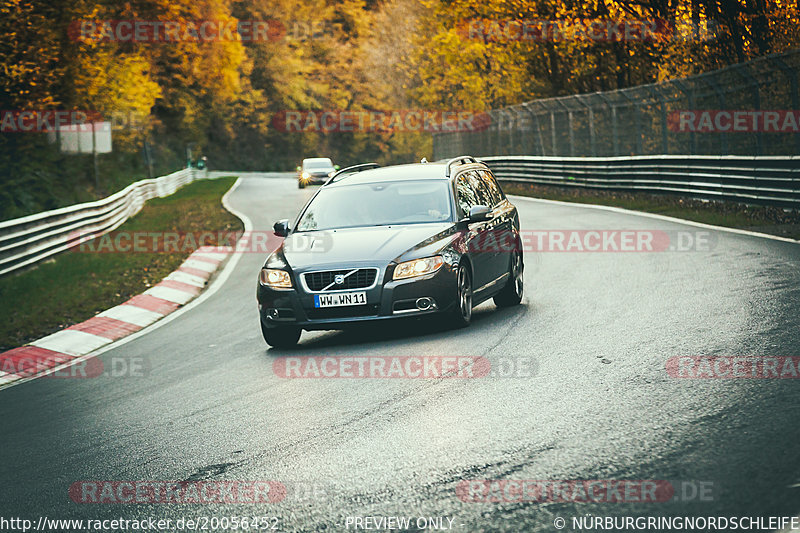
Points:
point(369, 245)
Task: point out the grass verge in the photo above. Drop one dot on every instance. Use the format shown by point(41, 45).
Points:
point(75, 285)
point(771, 220)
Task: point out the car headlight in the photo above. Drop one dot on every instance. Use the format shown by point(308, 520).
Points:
point(418, 267)
point(278, 279)
point(305, 175)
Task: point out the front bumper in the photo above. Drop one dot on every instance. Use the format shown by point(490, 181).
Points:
point(314, 179)
point(386, 300)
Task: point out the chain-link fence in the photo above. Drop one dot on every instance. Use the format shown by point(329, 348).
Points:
point(746, 109)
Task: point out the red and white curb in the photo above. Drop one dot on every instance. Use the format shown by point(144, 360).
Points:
point(181, 286)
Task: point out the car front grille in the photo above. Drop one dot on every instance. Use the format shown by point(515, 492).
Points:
point(353, 279)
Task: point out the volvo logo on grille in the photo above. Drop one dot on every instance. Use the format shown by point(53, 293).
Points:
point(338, 279)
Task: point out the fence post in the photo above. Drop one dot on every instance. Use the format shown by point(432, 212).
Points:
point(571, 129)
point(792, 75)
point(637, 120)
point(748, 78)
point(614, 132)
point(690, 96)
point(593, 146)
point(723, 137)
point(662, 104)
point(539, 135)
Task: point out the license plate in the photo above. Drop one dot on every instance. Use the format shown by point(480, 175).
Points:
point(340, 299)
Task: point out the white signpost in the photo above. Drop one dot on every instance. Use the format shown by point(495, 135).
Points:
point(90, 138)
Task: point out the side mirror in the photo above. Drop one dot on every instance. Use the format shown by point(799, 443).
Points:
point(281, 227)
point(336, 167)
point(298, 169)
point(479, 213)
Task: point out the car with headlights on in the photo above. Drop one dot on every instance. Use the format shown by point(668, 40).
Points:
point(381, 243)
point(315, 170)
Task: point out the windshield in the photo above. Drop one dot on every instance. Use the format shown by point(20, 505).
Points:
point(318, 164)
point(378, 204)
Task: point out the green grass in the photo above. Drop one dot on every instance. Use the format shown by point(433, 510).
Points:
point(74, 286)
point(727, 214)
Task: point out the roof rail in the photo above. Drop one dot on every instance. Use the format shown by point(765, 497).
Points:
point(351, 170)
point(460, 160)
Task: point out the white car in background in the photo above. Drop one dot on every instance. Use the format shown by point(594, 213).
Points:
point(315, 170)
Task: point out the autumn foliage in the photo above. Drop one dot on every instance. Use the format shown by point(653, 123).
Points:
point(219, 96)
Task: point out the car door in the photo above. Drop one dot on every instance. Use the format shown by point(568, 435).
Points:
point(502, 224)
point(476, 232)
point(493, 233)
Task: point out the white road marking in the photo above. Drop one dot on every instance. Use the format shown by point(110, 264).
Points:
point(200, 265)
point(171, 295)
point(189, 279)
point(132, 315)
point(71, 342)
point(210, 255)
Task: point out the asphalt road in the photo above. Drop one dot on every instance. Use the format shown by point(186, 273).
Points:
point(599, 406)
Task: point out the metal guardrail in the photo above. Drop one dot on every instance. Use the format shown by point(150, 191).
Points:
point(765, 180)
point(28, 240)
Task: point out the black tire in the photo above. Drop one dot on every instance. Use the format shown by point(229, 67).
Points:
point(511, 293)
point(301, 185)
point(281, 337)
point(461, 315)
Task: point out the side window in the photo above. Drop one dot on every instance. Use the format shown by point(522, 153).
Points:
point(494, 188)
point(466, 195)
point(480, 188)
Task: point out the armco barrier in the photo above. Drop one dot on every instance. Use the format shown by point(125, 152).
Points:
point(765, 180)
point(28, 240)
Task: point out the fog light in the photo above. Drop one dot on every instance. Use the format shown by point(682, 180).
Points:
point(423, 304)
